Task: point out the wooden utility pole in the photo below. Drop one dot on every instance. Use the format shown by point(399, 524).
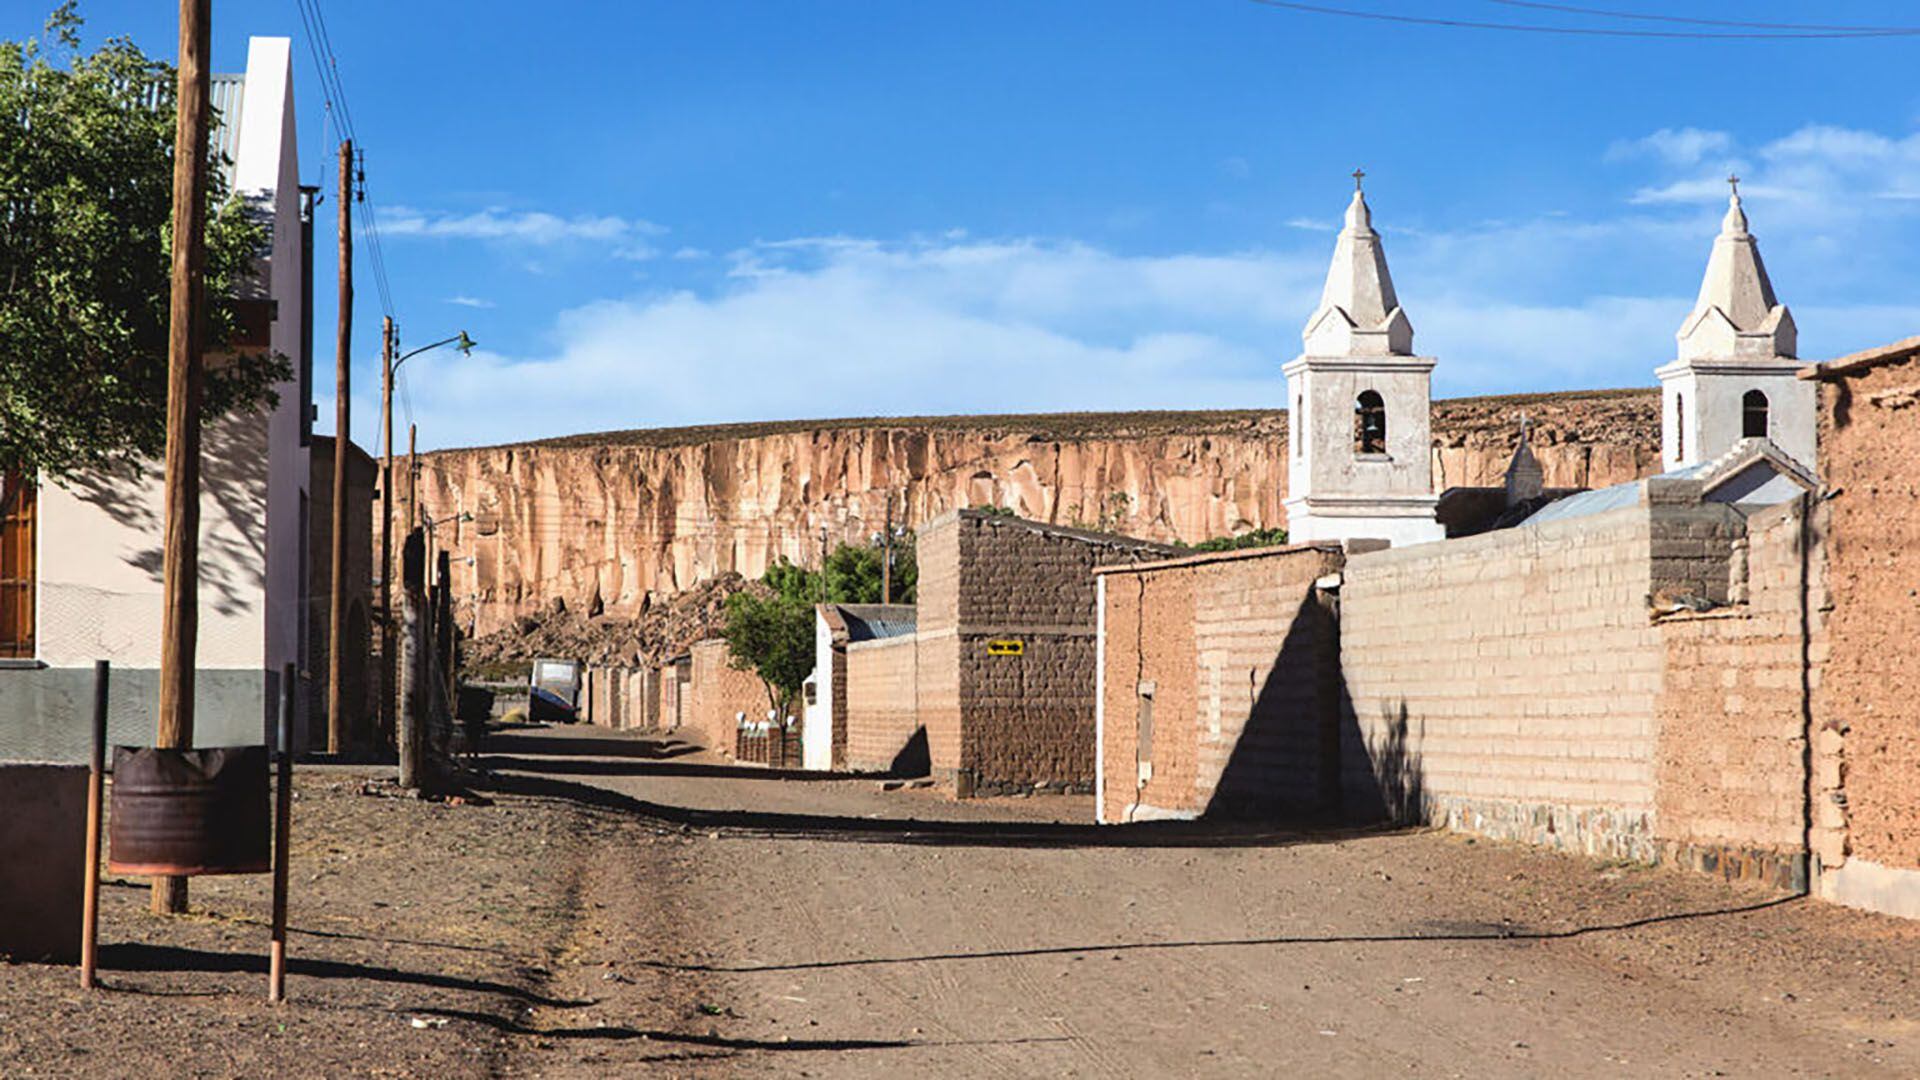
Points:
point(386, 528)
point(186, 346)
point(886, 554)
point(342, 432)
point(413, 475)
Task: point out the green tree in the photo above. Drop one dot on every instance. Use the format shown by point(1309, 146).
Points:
point(769, 631)
point(853, 573)
point(86, 196)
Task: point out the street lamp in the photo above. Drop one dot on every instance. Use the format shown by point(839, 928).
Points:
point(390, 340)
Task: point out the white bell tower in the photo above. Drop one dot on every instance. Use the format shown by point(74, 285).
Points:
point(1734, 377)
point(1360, 459)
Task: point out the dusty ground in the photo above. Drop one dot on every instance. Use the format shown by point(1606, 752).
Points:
point(627, 907)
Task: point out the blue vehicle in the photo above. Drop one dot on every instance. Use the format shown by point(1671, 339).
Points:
point(553, 692)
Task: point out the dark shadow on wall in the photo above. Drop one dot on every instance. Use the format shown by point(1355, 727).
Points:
point(1302, 755)
point(233, 511)
point(1392, 787)
point(914, 759)
point(1285, 766)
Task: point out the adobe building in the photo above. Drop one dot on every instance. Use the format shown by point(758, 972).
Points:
point(993, 691)
point(836, 626)
point(1864, 799)
point(1360, 457)
point(715, 694)
point(359, 673)
point(81, 578)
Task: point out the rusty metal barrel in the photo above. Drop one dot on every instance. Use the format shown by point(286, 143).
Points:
point(183, 813)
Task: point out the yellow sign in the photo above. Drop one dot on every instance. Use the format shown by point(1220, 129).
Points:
point(1006, 647)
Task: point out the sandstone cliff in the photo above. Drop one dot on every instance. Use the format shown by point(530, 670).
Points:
point(609, 522)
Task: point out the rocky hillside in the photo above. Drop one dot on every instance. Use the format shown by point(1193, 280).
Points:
point(605, 522)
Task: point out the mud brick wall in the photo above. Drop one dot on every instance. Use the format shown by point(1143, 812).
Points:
point(937, 592)
point(1026, 721)
point(1868, 744)
point(1507, 684)
point(718, 693)
point(1241, 656)
point(1729, 772)
point(882, 715)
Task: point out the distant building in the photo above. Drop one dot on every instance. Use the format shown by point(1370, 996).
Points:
point(1360, 462)
point(359, 675)
point(80, 580)
point(1735, 375)
point(836, 626)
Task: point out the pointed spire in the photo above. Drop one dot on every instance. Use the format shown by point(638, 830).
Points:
point(1525, 479)
point(1359, 314)
point(1737, 313)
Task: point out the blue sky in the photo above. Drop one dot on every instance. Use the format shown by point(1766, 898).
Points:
point(659, 213)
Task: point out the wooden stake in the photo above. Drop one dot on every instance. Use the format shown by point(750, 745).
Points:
point(282, 835)
point(186, 346)
point(342, 432)
point(386, 529)
point(96, 805)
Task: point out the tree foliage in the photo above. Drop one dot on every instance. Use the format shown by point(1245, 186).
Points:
point(86, 196)
point(1251, 539)
point(769, 631)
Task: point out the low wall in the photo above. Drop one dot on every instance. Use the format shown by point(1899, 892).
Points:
point(717, 695)
point(43, 831)
point(1226, 667)
point(620, 697)
point(884, 732)
point(1506, 684)
point(1732, 715)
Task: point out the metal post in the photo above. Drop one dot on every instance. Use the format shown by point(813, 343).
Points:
point(96, 797)
point(186, 349)
point(886, 554)
point(282, 835)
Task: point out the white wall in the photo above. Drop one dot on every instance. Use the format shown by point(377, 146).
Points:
point(816, 738)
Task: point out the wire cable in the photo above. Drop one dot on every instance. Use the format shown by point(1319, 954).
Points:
point(1579, 31)
point(1606, 13)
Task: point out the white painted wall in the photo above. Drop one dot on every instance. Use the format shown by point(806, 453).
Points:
point(816, 739)
point(1707, 398)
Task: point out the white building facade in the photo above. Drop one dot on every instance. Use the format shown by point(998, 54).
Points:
point(95, 584)
point(1360, 457)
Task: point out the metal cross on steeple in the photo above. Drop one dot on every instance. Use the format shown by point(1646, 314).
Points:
point(1734, 183)
point(1358, 175)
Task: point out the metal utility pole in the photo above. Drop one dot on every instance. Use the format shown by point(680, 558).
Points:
point(186, 346)
point(386, 527)
point(886, 554)
point(342, 431)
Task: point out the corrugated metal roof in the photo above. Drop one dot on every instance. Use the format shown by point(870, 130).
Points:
point(1586, 503)
point(228, 96)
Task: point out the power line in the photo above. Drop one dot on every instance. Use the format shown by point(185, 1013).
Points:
point(1580, 31)
point(1863, 31)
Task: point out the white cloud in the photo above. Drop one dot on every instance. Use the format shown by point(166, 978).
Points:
point(469, 301)
point(841, 325)
point(1674, 146)
point(530, 227)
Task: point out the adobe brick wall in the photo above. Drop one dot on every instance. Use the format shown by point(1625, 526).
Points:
point(882, 714)
point(718, 693)
point(1507, 684)
point(1730, 765)
point(1867, 760)
point(1025, 721)
point(1242, 654)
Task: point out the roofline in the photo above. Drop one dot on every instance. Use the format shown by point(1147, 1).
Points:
point(1854, 363)
point(1205, 557)
point(1085, 536)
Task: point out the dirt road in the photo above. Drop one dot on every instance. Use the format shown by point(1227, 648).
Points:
point(778, 926)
